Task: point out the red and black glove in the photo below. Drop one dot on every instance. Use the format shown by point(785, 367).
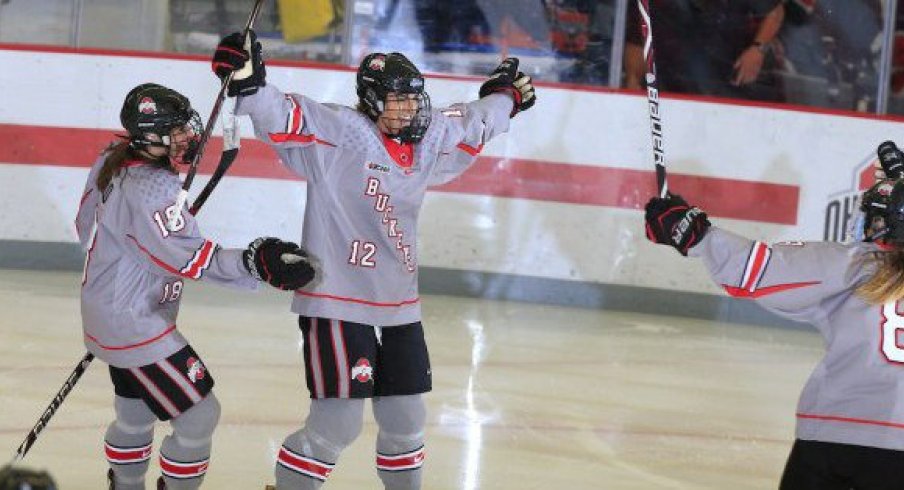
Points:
point(506, 78)
point(244, 58)
point(283, 265)
point(671, 221)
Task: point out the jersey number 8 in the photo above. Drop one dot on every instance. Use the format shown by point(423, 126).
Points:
point(892, 325)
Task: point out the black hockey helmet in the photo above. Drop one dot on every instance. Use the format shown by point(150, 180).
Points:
point(154, 109)
point(16, 478)
point(380, 74)
point(883, 209)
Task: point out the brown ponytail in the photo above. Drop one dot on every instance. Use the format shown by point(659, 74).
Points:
point(887, 283)
point(117, 156)
point(120, 153)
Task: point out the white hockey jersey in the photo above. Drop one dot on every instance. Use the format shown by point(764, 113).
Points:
point(856, 393)
point(135, 265)
point(365, 193)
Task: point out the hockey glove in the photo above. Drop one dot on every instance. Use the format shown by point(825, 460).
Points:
point(506, 78)
point(283, 265)
point(671, 221)
point(891, 159)
point(232, 55)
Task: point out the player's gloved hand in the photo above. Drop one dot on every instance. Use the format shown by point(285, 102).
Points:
point(283, 265)
point(506, 78)
point(243, 58)
point(671, 221)
point(891, 159)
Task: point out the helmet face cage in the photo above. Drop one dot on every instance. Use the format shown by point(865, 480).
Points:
point(381, 74)
point(152, 109)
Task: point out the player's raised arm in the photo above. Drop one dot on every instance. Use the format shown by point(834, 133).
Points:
point(506, 93)
point(285, 121)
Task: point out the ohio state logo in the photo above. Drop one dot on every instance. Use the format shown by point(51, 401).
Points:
point(147, 106)
point(195, 369)
point(378, 63)
point(843, 206)
point(362, 371)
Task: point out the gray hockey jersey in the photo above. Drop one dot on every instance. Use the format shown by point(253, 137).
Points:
point(135, 266)
point(856, 393)
point(365, 193)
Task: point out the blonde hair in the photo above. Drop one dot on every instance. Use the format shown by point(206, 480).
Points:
point(887, 282)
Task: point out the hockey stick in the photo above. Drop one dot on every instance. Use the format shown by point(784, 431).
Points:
point(52, 408)
point(653, 97)
point(231, 144)
point(229, 154)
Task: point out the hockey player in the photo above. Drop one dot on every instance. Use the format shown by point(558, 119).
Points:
point(367, 169)
point(850, 417)
point(132, 285)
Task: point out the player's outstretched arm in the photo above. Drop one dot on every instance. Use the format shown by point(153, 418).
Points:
point(283, 265)
point(507, 79)
point(791, 278)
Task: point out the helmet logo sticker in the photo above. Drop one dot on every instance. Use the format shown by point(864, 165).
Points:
point(378, 63)
point(147, 106)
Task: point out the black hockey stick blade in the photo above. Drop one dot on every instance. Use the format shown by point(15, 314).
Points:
point(226, 160)
point(52, 408)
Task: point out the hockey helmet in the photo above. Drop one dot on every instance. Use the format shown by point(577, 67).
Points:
point(154, 109)
point(380, 74)
point(15, 478)
point(882, 206)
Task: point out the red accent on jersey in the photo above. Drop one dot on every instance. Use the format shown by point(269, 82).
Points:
point(401, 153)
point(162, 264)
point(297, 138)
point(469, 149)
point(778, 288)
point(132, 346)
point(356, 300)
point(200, 261)
point(755, 270)
point(850, 420)
point(296, 117)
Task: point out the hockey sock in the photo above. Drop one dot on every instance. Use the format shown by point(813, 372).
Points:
point(127, 442)
point(400, 441)
point(309, 455)
point(185, 453)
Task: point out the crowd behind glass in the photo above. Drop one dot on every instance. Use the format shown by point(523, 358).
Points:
point(827, 53)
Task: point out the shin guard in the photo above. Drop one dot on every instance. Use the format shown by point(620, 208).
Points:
point(309, 455)
point(400, 441)
point(185, 454)
point(128, 443)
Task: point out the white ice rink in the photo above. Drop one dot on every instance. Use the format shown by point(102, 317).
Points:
point(525, 396)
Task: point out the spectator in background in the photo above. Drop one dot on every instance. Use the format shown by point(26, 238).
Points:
point(459, 25)
point(831, 50)
point(710, 47)
point(582, 30)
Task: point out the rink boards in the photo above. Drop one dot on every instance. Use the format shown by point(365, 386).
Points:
point(559, 198)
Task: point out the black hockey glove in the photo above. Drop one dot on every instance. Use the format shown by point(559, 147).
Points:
point(283, 265)
point(671, 221)
point(232, 55)
point(892, 160)
point(506, 78)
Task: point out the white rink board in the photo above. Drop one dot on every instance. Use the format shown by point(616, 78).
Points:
point(819, 153)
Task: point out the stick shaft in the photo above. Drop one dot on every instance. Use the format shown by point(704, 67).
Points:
point(54, 405)
point(652, 82)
